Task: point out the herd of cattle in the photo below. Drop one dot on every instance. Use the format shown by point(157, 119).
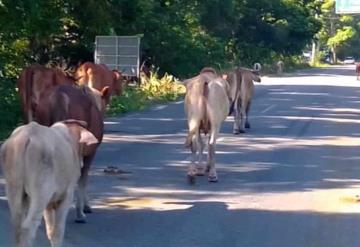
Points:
point(46, 158)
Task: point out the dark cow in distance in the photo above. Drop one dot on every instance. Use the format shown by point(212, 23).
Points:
point(35, 83)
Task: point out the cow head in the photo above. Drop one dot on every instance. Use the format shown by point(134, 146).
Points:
point(117, 84)
point(100, 98)
point(81, 135)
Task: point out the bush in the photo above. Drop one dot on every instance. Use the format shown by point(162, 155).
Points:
point(151, 90)
point(10, 111)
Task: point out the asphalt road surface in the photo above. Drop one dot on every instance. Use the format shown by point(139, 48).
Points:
point(292, 180)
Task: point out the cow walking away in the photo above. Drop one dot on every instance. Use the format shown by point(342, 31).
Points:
point(207, 105)
point(280, 67)
point(241, 90)
point(88, 105)
point(35, 83)
point(357, 69)
point(41, 166)
point(99, 76)
point(257, 67)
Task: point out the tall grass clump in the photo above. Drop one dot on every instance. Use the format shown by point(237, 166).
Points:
point(152, 90)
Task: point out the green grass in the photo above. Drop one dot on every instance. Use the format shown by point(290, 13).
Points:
point(151, 91)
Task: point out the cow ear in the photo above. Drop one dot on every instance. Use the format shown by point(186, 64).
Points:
point(105, 92)
point(224, 76)
point(117, 75)
point(87, 137)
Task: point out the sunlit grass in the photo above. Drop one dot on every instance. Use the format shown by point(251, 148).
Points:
point(152, 90)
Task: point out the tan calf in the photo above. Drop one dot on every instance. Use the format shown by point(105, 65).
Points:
point(241, 90)
point(41, 167)
point(206, 107)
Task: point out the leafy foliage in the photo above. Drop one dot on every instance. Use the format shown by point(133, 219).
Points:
point(178, 36)
point(151, 90)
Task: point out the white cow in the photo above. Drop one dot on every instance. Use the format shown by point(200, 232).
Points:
point(41, 167)
point(257, 67)
point(279, 67)
point(206, 107)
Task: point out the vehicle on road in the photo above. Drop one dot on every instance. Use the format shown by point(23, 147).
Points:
point(349, 60)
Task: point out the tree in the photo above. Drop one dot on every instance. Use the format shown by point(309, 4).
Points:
point(337, 31)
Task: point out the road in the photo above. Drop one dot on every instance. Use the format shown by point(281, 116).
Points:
point(292, 180)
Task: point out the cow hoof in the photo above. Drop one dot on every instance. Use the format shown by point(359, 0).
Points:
point(87, 209)
point(200, 171)
point(247, 126)
point(213, 179)
point(191, 179)
point(236, 132)
point(242, 131)
point(80, 220)
point(207, 168)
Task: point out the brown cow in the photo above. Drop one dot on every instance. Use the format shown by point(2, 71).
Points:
point(41, 167)
point(99, 76)
point(35, 83)
point(357, 69)
point(242, 89)
point(88, 105)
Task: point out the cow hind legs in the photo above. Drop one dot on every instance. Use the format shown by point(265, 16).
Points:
point(192, 170)
point(55, 220)
point(87, 209)
point(212, 176)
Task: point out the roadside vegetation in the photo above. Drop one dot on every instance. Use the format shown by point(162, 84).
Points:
point(178, 37)
point(151, 90)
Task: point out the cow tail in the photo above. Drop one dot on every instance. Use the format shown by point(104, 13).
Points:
point(29, 81)
point(237, 91)
point(32, 155)
point(18, 199)
point(205, 122)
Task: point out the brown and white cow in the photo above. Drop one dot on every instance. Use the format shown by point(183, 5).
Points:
point(242, 90)
point(99, 76)
point(35, 83)
point(41, 166)
point(88, 105)
point(206, 107)
point(357, 70)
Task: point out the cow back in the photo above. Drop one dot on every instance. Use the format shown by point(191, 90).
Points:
point(35, 84)
point(98, 76)
point(74, 102)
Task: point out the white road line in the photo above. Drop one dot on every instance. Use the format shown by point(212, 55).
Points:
point(221, 139)
point(268, 108)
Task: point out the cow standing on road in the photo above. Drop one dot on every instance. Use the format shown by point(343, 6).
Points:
point(207, 105)
point(357, 69)
point(41, 166)
point(241, 90)
point(88, 105)
point(280, 67)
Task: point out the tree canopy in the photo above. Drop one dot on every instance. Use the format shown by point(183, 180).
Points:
point(180, 36)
